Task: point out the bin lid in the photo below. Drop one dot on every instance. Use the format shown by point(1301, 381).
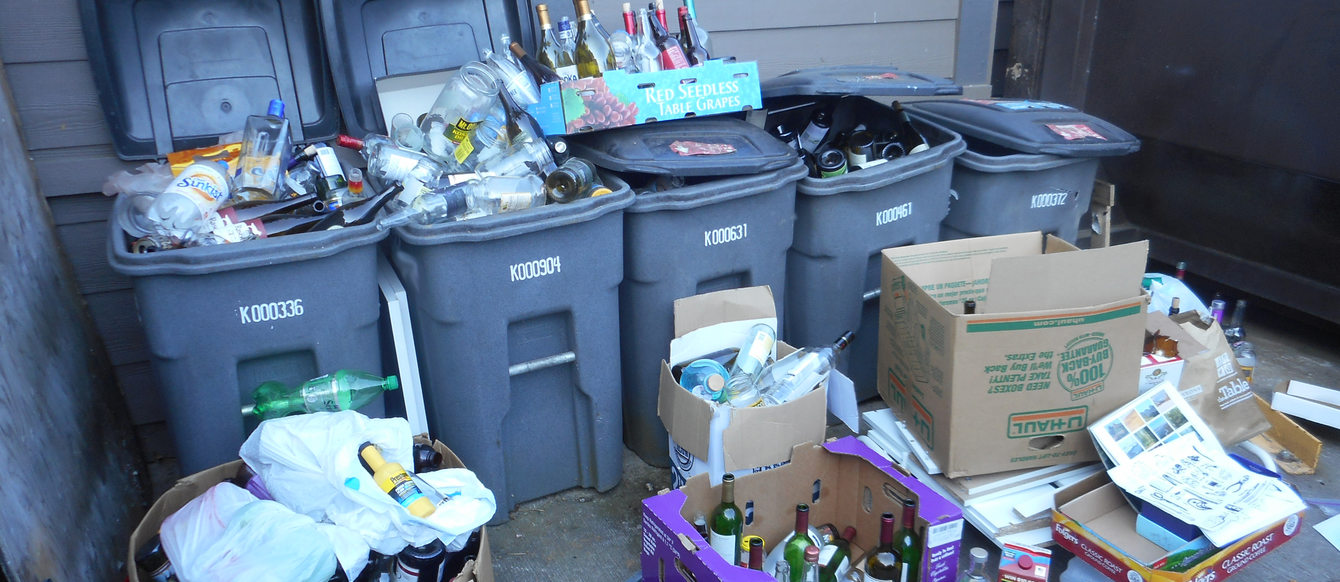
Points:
point(177, 75)
point(1035, 127)
point(702, 146)
point(867, 80)
point(369, 40)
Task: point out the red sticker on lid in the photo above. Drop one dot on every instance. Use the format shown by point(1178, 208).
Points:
point(1074, 131)
point(697, 148)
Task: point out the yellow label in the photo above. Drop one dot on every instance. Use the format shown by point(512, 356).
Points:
point(460, 130)
point(463, 151)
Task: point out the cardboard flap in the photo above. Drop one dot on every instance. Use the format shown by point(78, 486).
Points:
point(730, 305)
point(1059, 280)
point(764, 435)
point(959, 268)
point(686, 417)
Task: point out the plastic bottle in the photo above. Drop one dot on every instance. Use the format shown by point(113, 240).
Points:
point(342, 390)
point(395, 481)
point(196, 192)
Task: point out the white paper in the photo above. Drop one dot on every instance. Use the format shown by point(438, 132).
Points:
point(1154, 419)
point(1330, 529)
point(412, 94)
point(842, 400)
point(1199, 484)
point(705, 340)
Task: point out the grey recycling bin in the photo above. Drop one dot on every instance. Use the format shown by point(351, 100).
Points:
point(843, 222)
point(728, 226)
point(1030, 165)
point(220, 320)
point(515, 319)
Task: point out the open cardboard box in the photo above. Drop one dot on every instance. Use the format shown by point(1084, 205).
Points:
point(755, 438)
point(190, 487)
point(1055, 342)
point(1094, 522)
point(845, 483)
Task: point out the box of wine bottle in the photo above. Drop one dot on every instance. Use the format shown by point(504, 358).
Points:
point(188, 488)
point(1054, 341)
point(844, 482)
point(619, 99)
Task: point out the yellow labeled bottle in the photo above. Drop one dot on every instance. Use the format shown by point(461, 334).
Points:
point(395, 481)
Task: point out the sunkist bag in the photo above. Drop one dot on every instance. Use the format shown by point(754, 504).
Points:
point(1214, 385)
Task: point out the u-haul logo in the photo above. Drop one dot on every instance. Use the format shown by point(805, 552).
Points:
point(1083, 365)
point(1047, 422)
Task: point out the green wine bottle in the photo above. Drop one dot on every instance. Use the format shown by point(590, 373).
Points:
point(727, 523)
point(594, 55)
point(343, 390)
point(908, 544)
point(794, 551)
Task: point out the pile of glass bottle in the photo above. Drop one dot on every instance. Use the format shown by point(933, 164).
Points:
point(475, 153)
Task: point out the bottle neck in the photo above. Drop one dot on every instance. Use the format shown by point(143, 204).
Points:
point(728, 491)
point(802, 520)
point(909, 516)
point(886, 531)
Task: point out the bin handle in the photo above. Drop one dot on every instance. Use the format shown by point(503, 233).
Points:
point(871, 294)
point(541, 363)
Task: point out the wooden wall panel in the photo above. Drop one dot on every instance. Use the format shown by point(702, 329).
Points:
point(924, 47)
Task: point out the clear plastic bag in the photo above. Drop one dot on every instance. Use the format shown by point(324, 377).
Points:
point(227, 534)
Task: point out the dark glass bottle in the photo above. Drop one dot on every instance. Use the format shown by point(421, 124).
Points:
point(881, 564)
point(672, 55)
point(456, 561)
point(692, 45)
point(153, 562)
point(756, 554)
point(309, 203)
point(426, 458)
point(574, 180)
point(421, 563)
point(912, 140)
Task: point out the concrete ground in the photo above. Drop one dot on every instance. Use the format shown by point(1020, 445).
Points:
point(581, 535)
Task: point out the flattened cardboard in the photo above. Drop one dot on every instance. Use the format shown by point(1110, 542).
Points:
point(1286, 435)
point(843, 470)
point(1006, 390)
point(192, 486)
point(1093, 521)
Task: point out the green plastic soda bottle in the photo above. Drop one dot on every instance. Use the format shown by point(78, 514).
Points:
point(343, 390)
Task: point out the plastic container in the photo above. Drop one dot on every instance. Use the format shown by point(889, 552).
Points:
point(514, 315)
point(221, 320)
point(176, 75)
point(368, 41)
point(843, 222)
point(730, 229)
point(1030, 165)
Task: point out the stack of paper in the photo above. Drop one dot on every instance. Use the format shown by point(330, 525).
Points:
point(1009, 507)
point(1308, 401)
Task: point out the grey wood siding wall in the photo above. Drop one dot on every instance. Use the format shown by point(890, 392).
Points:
point(42, 46)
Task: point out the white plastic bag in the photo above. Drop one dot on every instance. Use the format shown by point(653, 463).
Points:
point(227, 534)
point(1162, 289)
point(310, 463)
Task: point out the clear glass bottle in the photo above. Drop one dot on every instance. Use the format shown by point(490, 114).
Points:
point(976, 571)
point(389, 163)
point(442, 201)
point(810, 570)
point(646, 57)
point(464, 102)
point(881, 563)
point(754, 355)
point(266, 146)
point(800, 372)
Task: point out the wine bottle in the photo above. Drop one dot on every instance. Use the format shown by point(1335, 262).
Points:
point(1233, 332)
point(395, 481)
point(907, 543)
point(831, 162)
point(881, 564)
point(553, 52)
point(727, 523)
point(693, 46)
point(672, 55)
point(629, 19)
point(756, 553)
point(520, 124)
point(704, 38)
point(969, 307)
point(287, 224)
point(574, 180)
point(594, 55)
point(835, 557)
point(659, 8)
point(912, 140)
point(800, 372)
point(542, 73)
point(342, 390)
point(363, 211)
point(260, 209)
point(1176, 306)
point(814, 132)
point(153, 561)
point(794, 550)
point(646, 57)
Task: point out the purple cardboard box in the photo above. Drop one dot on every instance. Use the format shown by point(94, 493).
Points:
point(845, 483)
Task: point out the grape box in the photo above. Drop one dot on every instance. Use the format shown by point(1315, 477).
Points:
point(620, 99)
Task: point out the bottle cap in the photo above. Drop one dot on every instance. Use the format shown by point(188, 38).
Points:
point(812, 554)
point(1025, 562)
point(392, 383)
point(277, 108)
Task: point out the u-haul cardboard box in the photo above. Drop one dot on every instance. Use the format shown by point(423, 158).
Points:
point(1055, 341)
point(844, 482)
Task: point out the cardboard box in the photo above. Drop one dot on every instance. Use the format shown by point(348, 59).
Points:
point(1156, 369)
point(188, 488)
point(1021, 563)
point(1056, 341)
point(754, 438)
point(845, 483)
point(619, 99)
point(1094, 522)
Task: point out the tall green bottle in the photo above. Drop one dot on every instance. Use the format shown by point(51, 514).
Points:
point(794, 551)
point(908, 544)
point(343, 390)
point(727, 523)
